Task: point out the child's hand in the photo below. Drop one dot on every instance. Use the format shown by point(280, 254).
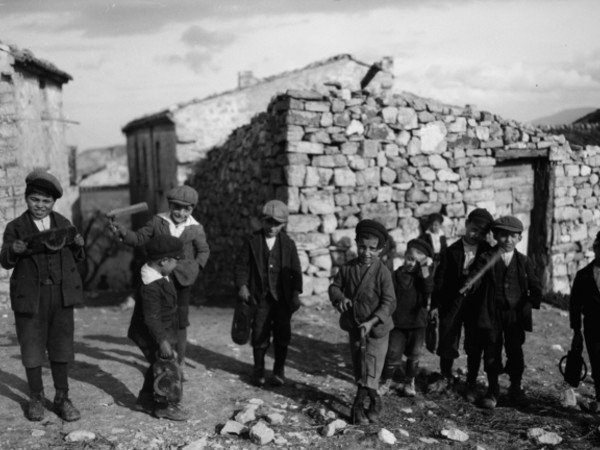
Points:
point(19, 247)
point(244, 294)
point(434, 314)
point(165, 350)
point(365, 327)
point(344, 305)
point(79, 240)
point(577, 341)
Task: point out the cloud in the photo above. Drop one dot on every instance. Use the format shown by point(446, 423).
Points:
point(199, 61)
point(197, 36)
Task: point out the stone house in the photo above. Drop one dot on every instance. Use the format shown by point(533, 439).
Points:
point(346, 155)
point(162, 146)
point(32, 134)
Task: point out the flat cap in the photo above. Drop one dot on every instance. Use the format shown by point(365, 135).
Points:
point(508, 223)
point(164, 246)
point(481, 217)
point(183, 195)
point(372, 228)
point(276, 210)
point(422, 246)
point(44, 181)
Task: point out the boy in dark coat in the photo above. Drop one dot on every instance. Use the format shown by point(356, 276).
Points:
point(434, 236)
point(510, 289)
point(413, 285)
point(585, 301)
point(268, 275)
point(363, 292)
point(154, 323)
point(455, 310)
point(178, 222)
point(44, 286)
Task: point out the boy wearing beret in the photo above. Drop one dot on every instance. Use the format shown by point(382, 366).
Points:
point(180, 223)
point(154, 323)
point(363, 292)
point(454, 310)
point(509, 291)
point(268, 276)
point(413, 285)
point(44, 286)
point(585, 301)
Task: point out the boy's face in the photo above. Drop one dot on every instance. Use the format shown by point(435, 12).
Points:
point(507, 240)
point(39, 205)
point(474, 233)
point(368, 249)
point(435, 227)
point(180, 213)
point(167, 265)
point(272, 227)
point(413, 257)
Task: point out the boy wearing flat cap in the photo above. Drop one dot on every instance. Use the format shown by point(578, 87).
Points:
point(268, 276)
point(509, 291)
point(453, 309)
point(44, 286)
point(180, 223)
point(155, 322)
point(413, 285)
point(363, 292)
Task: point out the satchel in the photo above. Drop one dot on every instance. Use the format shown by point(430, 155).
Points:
point(241, 327)
point(432, 335)
point(167, 379)
point(575, 369)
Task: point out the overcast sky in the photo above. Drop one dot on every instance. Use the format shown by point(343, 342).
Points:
point(522, 59)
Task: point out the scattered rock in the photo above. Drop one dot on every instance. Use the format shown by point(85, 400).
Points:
point(407, 410)
point(454, 434)
point(331, 428)
point(544, 437)
point(261, 434)
point(568, 398)
point(232, 427)
point(387, 436)
point(80, 435)
point(38, 433)
point(248, 414)
point(559, 348)
point(117, 430)
point(280, 440)
point(426, 440)
point(199, 444)
point(403, 432)
point(256, 401)
point(275, 418)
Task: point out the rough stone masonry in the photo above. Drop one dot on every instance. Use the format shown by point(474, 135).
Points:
point(337, 156)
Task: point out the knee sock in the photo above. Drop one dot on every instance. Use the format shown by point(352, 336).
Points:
point(280, 357)
point(473, 363)
point(446, 366)
point(60, 375)
point(181, 344)
point(148, 385)
point(34, 379)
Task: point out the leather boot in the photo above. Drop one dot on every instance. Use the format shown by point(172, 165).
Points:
point(35, 407)
point(279, 366)
point(64, 407)
point(358, 416)
point(490, 400)
point(258, 373)
point(446, 367)
point(375, 406)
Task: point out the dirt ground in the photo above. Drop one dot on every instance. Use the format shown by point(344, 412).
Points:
point(107, 375)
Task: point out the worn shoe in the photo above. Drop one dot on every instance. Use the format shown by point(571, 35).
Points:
point(489, 401)
point(145, 402)
point(170, 412)
point(387, 386)
point(65, 409)
point(409, 388)
point(35, 407)
point(471, 393)
point(277, 380)
point(358, 415)
point(375, 409)
point(516, 394)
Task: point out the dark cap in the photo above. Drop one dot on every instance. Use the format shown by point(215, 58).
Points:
point(481, 217)
point(422, 246)
point(44, 181)
point(372, 228)
point(183, 195)
point(508, 223)
point(276, 210)
point(164, 246)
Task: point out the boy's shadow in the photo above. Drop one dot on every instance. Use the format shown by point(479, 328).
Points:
point(8, 381)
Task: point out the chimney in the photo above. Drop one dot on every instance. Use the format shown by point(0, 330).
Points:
point(246, 78)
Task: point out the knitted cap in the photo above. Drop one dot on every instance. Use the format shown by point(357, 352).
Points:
point(164, 246)
point(372, 228)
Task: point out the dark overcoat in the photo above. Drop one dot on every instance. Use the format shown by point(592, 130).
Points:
point(25, 278)
point(585, 300)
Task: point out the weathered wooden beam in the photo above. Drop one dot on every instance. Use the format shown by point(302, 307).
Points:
point(505, 154)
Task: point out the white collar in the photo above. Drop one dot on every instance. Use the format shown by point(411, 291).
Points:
point(189, 221)
point(150, 274)
point(42, 224)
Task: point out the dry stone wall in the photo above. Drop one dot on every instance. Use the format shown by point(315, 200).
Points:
point(338, 158)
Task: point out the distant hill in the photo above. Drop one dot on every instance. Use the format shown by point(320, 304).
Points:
point(564, 117)
point(581, 132)
point(593, 117)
